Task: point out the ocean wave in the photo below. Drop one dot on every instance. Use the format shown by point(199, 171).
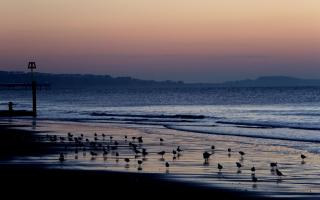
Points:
point(271, 125)
point(300, 114)
point(275, 133)
point(115, 120)
point(177, 116)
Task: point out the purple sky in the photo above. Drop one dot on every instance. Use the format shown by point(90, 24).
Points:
point(193, 41)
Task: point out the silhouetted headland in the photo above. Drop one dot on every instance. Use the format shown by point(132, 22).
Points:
point(47, 80)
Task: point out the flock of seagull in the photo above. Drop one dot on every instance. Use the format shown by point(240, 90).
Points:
point(273, 165)
point(136, 145)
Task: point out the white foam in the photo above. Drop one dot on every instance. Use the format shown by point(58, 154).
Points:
point(272, 133)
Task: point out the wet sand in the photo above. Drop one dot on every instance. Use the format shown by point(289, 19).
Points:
point(35, 181)
point(186, 175)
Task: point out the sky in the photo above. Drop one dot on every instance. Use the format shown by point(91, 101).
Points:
point(188, 40)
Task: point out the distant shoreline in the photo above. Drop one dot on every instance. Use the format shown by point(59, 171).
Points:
point(81, 80)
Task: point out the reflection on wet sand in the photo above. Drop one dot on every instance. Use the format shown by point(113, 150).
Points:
point(252, 164)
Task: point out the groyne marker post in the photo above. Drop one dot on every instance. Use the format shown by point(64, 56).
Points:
point(32, 67)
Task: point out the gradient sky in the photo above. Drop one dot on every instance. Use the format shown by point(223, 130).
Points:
point(190, 40)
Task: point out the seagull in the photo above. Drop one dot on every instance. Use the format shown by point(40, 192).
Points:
point(161, 153)
point(140, 140)
point(220, 166)
point(61, 158)
point(54, 138)
point(241, 153)
point(144, 152)
point(303, 156)
point(93, 154)
point(174, 152)
point(161, 140)
point(167, 165)
point(273, 164)
point(253, 170)
point(238, 165)
point(179, 149)
point(136, 151)
point(206, 156)
point(279, 173)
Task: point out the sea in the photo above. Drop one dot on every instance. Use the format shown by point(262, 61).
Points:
point(273, 113)
point(268, 124)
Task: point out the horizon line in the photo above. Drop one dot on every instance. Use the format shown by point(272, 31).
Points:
point(177, 81)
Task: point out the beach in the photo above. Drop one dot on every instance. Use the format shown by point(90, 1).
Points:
point(186, 174)
point(160, 99)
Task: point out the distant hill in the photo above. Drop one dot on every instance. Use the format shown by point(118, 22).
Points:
point(273, 81)
point(84, 80)
point(80, 80)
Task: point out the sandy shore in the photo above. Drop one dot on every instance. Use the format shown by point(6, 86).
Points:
point(35, 180)
point(31, 162)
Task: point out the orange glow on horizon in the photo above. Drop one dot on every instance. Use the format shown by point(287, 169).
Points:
point(288, 28)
